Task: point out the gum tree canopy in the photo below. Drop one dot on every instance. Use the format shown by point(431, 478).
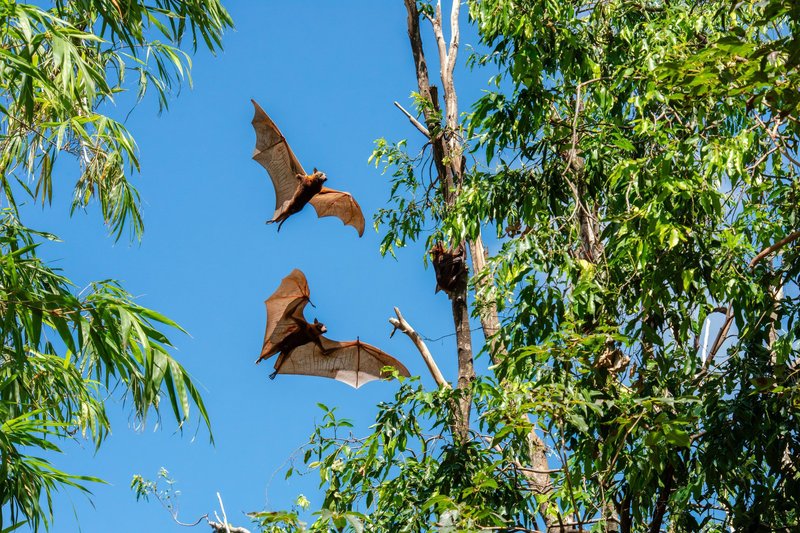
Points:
point(637, 162)
point(63, 350)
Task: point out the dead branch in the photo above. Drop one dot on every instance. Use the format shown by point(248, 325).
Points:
point(218, 527)
point(401, 324)
point(417, 124)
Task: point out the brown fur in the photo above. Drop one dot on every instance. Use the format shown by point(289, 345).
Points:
point(450, 267)
point(304, 333)
point(307, 187)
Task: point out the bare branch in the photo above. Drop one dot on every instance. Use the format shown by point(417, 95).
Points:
point(440, 43)
point(224, 516)
point(401, 324)
point(218, 527)
point(452, 54)
point(414, 121)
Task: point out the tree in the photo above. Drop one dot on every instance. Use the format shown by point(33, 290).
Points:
point(63, 350)
point(637, 162)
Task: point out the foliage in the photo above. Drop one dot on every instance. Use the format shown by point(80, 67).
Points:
point(64, 350)
point(61, 65)
point(637, 161)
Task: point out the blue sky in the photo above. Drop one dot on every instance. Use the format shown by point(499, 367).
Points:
point(327, 73)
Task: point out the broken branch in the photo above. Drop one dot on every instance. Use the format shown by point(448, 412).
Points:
point(401, 324)
point(414, 121)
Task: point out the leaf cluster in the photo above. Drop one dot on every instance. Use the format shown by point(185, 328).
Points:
point(64, 351)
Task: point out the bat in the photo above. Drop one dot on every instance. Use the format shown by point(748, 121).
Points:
point(293, 187)
point(302, 349)
point(450, 267)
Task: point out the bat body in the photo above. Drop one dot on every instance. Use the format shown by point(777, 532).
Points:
point(304, 350)
point(293, 187)
point(450, 267)
point(296, 335)
point(307, 188)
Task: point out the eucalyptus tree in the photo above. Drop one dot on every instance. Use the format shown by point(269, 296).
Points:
point(60, 65)
point(637, 162)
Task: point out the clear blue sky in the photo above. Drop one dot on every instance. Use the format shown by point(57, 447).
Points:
point(327, 73)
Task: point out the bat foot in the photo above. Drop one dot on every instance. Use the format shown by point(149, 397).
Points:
point(272, 376)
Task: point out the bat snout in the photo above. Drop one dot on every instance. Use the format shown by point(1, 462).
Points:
point(320, 327)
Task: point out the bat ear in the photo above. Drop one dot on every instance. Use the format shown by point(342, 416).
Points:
point(315, 170)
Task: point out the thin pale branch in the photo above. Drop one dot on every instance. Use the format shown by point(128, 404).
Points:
point(417, 124)
point(224, 516)
point(452, 54)
point(440, 42)
point(401, 324)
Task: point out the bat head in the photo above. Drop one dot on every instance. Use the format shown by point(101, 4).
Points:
point(319, 326)
point(319, 176)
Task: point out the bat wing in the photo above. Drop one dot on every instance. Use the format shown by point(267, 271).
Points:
point(285, 304)
point(274, 154)
point(353, 362)
point(332, 203)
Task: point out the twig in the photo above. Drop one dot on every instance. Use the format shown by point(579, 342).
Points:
point(414, 121)
point(401, 324)
point(437, 339)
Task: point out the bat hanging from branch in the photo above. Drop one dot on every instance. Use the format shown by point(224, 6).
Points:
point(293, 187)
point(450, 266)
point(302, 349)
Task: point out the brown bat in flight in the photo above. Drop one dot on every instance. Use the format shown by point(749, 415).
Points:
point(302, 348)
point(293, 187)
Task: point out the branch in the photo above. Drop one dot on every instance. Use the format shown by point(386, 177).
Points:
point(667, 478)
point(401, 324)
point(454, 37)
point(225, 528)
point(224, 516)
point(437, 32)
point(723, 332)
point(414, 121)
point(778, 245)
point(726, 326)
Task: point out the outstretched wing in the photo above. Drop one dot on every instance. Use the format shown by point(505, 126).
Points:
point(275, 155)
point(353, 362)
point(332, 203)
point(286, 303)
